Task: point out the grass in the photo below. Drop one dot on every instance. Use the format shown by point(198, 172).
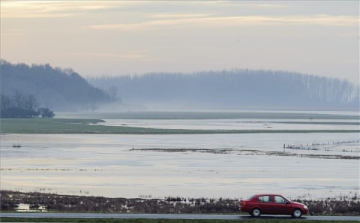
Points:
point(155, 220)
point(87, 126)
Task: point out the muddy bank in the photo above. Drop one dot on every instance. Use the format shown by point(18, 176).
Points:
point(247, 152)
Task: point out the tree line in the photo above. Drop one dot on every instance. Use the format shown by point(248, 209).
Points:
point(20, 105)
point(60, 89)
point(235, 89)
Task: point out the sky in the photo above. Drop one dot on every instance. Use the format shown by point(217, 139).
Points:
point(133, 37)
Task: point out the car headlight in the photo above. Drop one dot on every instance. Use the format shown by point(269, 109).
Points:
point(305, 207)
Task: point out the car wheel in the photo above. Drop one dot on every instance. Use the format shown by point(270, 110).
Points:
point(256, 212)
point(297, 213)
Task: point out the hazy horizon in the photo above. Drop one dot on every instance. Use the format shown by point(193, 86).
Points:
point(137, 37)
point(181, 73)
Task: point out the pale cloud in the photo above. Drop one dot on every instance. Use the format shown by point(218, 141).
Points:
point(272, 6)
point(30, 9)
point(318, 37)
point(165, 15)
point(239, 21)
point(51, 9)
point(243, 4)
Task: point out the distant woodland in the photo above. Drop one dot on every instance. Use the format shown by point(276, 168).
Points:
point(235, 89)
point(23, 106)
point(53, 88)
point(65, 90)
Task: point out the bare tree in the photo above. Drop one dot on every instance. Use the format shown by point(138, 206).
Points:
point(113, 92)
point(18, 99)
point(30, 102)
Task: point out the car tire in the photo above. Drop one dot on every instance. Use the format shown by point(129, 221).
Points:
point(256, 212)
point(297, 213)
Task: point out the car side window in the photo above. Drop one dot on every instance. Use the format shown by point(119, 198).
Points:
point(279, 200)
point(266, 199)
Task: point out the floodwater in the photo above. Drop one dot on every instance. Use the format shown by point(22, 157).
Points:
point(106, 165)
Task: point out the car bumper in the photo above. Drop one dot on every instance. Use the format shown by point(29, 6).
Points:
point(244, 209)
point(305, 211)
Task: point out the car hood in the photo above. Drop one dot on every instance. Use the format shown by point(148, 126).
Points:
point(297, 203)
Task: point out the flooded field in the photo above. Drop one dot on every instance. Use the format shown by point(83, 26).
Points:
point(215, 165)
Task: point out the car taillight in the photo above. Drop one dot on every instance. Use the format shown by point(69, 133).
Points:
point(243, 203)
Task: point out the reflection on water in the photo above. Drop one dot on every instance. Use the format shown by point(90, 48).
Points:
point(105, 165)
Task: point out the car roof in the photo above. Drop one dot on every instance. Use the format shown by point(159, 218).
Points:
point(268, 195)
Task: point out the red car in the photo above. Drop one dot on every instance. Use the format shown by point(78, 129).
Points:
point(272, 204)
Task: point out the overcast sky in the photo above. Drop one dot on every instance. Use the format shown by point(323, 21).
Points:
point(127, 37)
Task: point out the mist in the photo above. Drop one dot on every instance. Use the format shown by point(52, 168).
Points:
point(238, 89)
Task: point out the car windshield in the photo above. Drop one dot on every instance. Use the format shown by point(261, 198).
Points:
point(251, 197)
point(287, 199)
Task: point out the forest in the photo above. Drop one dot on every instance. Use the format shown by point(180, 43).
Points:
point(234, 89)
point(65, 90)
point(54, 88)
point(23, 106)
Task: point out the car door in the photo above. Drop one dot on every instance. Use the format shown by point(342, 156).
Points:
point(266, 205)
point(281, 205)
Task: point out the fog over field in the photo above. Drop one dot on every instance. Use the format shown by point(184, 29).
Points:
point(233, 89)
point(236, 89)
